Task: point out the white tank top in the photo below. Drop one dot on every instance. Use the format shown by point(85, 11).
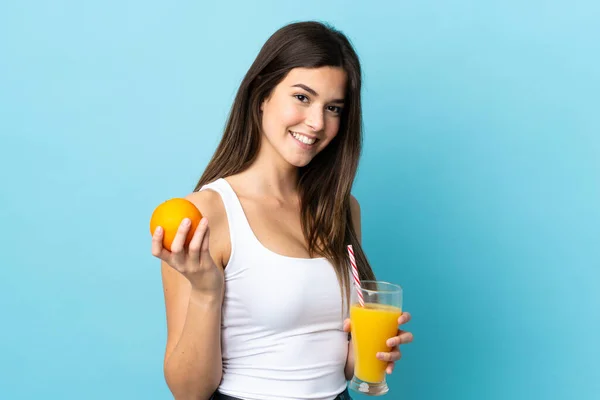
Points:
point(281, 328)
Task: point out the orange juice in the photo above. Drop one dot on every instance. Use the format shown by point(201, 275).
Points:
point(372, 326)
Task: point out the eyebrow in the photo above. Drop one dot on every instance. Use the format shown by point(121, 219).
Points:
point(314, 93)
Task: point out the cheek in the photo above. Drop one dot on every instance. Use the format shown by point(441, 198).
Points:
point(270, 120)
point(291, 115)
point(333, 126)
point(281, 117)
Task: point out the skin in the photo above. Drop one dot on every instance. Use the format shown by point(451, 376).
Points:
point(307, 102)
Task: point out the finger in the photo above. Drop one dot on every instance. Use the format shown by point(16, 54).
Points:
point(196, 242)
point(404, 318)
point(205, 247)
point(402, 338)
point(389, 357)
point(347, 326)
point(390, 368)
point(177, 247)
point(157, 246)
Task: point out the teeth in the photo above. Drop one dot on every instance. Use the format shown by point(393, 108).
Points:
point(303, 138)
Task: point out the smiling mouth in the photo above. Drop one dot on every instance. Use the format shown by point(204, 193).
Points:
point(303, 139)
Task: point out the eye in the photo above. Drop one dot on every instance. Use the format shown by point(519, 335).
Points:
point(335, 109)
point(301, 97)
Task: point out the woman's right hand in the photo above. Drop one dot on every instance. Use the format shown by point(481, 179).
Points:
point(193, 262)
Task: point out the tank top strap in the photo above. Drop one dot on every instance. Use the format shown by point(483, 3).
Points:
point(240, 232)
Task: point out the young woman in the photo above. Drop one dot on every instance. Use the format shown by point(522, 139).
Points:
point(257, 303)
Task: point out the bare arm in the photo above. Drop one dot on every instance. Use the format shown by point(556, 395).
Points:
point(192, 364)
point(355, 210)
point(193, 285)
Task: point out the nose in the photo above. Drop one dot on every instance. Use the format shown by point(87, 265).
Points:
point(315, 119)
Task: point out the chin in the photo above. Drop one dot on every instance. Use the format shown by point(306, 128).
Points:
point(300, 164)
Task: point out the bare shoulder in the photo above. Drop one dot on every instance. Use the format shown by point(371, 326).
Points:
point(355, 212)
point(208, 202)
point(211, 206)
point(354, 206)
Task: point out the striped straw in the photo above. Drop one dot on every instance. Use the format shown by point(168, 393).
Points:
point(361, 299)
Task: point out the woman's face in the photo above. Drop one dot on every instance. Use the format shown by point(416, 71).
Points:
point(302, 114)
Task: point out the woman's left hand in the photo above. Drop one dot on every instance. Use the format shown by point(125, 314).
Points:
point(403, 337)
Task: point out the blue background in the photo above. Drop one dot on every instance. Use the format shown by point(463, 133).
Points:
point(479, 184)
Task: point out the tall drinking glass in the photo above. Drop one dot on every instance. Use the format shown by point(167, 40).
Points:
point(372, 325)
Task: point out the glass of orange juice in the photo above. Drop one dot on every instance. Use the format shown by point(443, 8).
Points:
point(372, 325)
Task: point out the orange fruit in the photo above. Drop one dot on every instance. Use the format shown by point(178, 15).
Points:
point(169, 215)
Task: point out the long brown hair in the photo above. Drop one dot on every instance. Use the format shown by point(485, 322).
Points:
point(325, 183)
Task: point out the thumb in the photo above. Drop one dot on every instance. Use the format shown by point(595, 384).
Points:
point(346, 326)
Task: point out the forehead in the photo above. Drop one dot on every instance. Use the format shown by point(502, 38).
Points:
point(328, 82)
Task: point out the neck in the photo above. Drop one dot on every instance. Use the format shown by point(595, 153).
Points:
point(271, 176)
